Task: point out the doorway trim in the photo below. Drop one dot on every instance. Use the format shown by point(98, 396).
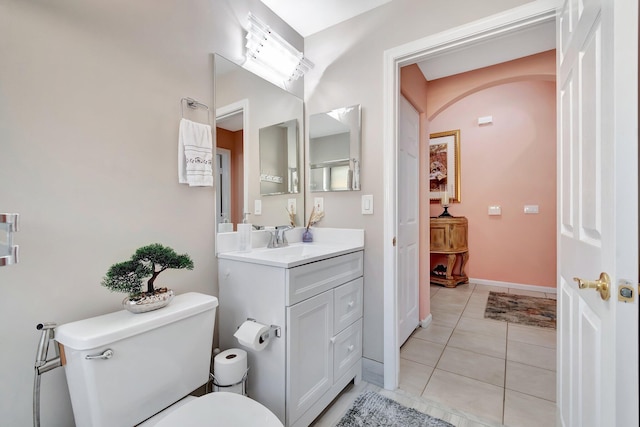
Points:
point(499, 25)
point(240, 107)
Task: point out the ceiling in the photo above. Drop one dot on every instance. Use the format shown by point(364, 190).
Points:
point(310, 16)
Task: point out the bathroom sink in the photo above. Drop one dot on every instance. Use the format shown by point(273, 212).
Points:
point(293, 255)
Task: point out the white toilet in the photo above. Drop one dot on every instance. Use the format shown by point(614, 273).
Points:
point(123, 369)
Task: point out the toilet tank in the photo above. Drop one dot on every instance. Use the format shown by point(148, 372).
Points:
point(156, 358)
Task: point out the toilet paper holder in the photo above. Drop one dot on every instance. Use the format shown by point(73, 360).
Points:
point(274, 330)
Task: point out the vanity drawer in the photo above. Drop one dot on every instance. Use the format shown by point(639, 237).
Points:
point(347, 349)
point(314, 278)
point(347, 303)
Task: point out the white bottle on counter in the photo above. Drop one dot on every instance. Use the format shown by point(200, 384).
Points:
point(244, 234)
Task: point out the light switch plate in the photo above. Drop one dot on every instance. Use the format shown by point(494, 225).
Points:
point(318, 203)
point(367, 204)
point(531, 209)
point(257, 207)
point(291, 206)
point(494, 210)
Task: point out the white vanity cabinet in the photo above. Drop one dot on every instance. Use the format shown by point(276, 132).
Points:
point(318, 306)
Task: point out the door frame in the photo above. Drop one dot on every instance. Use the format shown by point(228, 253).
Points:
point(223, 183)
point(500, 25)
point(241, 106)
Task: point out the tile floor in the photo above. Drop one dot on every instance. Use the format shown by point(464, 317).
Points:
point(469, 370)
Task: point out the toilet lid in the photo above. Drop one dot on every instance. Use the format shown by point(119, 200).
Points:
point(221, 409)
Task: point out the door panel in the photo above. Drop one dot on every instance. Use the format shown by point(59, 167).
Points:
point(408, 221)
point(596, 234)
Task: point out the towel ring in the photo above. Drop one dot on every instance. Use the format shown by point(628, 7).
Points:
point(193, 104)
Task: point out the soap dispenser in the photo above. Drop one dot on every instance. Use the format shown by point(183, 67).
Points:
point(244, 234)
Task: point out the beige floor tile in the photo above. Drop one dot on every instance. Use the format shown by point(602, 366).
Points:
point(474, 310)
point(421, 351)
point(483, 327)
point(521, 410)
point(532, 355)
point(483, 368)
point(434, 333)
point(413, 376)
point(488, 288)
point(469, 395)
point(483, 344)
point(448, 307)
point(444, 318)
point(479, 297)
point(545, 337)
point(434, 290)
point(530, 380)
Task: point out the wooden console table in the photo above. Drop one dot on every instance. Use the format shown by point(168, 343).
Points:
point(449, 237)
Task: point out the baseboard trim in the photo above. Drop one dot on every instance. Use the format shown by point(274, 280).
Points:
point(373, 372)
point(427, 321)
point(524, 287)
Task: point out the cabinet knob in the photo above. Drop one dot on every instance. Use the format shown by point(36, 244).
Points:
point(350, 348)
point(351, 304)
point(333, 340)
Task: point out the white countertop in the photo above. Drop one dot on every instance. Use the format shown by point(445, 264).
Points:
point(328, 243)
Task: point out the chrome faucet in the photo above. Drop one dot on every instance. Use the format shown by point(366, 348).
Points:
point(277, 237)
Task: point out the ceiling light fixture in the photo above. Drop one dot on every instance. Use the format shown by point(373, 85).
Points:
point(271, 56)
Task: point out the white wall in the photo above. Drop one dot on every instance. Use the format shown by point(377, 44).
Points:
point(89, 112)
point(348, 71)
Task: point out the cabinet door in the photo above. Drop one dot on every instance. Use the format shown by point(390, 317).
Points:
point(309, 355)
point(458, 237)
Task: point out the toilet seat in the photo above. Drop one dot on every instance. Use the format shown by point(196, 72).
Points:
point(221, 409)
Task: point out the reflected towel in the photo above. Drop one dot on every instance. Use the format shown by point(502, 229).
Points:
point(195, 154)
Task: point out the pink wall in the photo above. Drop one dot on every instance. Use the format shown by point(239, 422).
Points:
point(510, 163)
point(444, 92)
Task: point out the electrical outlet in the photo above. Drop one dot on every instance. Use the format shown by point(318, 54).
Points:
point(318, 203)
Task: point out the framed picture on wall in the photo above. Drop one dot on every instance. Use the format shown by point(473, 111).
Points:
point(444, 166)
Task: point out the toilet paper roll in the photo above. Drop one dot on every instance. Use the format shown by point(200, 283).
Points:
point(249, 335)
point(230, 366)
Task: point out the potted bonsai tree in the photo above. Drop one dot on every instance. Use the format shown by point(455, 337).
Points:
point(147, 261)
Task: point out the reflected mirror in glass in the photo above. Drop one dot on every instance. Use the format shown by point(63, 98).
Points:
point(334, 150)
point(279, 158)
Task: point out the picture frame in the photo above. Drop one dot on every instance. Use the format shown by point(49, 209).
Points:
point(444, 165)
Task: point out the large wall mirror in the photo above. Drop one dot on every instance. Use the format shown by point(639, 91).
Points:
point(334, 150)
point(252, 173)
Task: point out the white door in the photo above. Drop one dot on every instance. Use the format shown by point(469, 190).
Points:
point(408, 220)
point(597, 212)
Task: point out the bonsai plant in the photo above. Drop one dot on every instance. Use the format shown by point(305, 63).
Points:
point(147, 261)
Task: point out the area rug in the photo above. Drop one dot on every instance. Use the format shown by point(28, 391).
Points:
point(522, 309)
point(373, 410)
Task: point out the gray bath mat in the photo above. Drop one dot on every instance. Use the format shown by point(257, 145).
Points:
point(373, 410)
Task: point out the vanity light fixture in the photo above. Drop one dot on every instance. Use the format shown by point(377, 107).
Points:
point(271, 56)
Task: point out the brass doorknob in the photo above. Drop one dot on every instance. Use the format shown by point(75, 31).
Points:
point(602, 285)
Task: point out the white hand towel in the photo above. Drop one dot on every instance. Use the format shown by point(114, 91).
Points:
point(195, 154)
